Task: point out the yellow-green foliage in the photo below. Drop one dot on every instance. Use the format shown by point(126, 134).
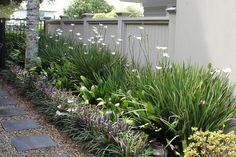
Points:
point(109, 15)
point(211, 144)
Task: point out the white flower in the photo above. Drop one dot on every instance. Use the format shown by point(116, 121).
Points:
point(141, 27)
point(72, 24)
point(65, 43)
point(50, 37)
point(217, 71)
point(161, 48)
point(71, 48)
point(101, 39)
point(118, 43)
point(112, 36)
point(70, 30)
point(85, 53)
point(139, 38)
point(78, 34)
point(59, 33)
point(158, 67)
point(134, 70)
point(166, 55)
point(70, 101)
point(71, 110)
point(203, 102)
point(80, 38)
point(105, 27)
point(92, 38)
point(46, 45)
point(84, 44)
point(60, 113)
point(120, 40)
point(89, 40)
point(100, 24)
point(94, 28)
point(93, 42)
point(227, 70)
point(59, 106)
point(38, 37)
point(113, 53)
point(103, 44)
point(56, 40)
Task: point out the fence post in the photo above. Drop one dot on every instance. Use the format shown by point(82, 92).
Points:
point(121, 28)
point(2, 43)
point(172, 26)
point(86, 31)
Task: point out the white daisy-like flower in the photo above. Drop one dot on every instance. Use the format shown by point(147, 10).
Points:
point(60, 113)
point(70, 101)
point(46, 45)
point(85, 53)
point(103, 44)
point(105, 27)
point(227, 70)
point(71, 48)
point(166, 55)
point(89, 40)
point(70, 30)
point(158, 67)
point(100, 24)
point(118, 43)
point(134, 70)
point(217, 71)
point(59, 106)
point(112, 36)
point(80, 38)
point(78, 34)
point(120, 40)
point(141, 27)
point(139, 38)
point(113, 53)
point(59, 33)
point(72, 24)
point(85, 44)
point(50, 37)
point(93, 42)
point(71, 110)
point(203, 102)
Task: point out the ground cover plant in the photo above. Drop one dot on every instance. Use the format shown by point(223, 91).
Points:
point(115, 106)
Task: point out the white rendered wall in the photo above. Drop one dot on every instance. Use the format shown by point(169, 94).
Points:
point(206, 32)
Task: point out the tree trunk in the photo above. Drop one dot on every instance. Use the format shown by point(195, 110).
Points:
point(32, 33)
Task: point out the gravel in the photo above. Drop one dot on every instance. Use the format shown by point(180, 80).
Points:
point(64, 143)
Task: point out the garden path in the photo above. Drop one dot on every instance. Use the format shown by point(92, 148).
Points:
point(24, 133)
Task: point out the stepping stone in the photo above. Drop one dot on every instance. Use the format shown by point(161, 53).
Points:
point(59, 155)
point(19, 125)
point(3, 93)
point(7, 102)
point(25, 143)
point(12, 112)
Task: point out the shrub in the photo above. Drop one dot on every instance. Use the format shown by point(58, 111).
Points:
point(213, 144)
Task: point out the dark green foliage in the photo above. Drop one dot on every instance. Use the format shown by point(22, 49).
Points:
point(78, 7)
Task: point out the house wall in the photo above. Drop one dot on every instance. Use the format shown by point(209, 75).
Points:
point(205, 32)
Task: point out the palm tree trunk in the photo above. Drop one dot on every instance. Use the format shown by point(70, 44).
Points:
point(32, 33)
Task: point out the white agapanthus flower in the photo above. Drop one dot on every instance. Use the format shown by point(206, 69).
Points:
point(72, 24)
point(141, 27)
point(118, 43)
point(227, 70)
point(120, 40)
point(161, 48)
point(139, 38)
point(166, 55)
point(70, 30)
point(78, 34)
point(80, 38)
point(158, 67)
point(113, 53)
